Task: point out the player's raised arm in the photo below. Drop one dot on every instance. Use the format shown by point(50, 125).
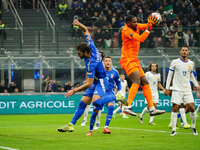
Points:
point(83, 27)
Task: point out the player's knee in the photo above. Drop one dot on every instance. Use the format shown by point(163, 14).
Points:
point(111, 107)
point(97, 108)
point(96, 103)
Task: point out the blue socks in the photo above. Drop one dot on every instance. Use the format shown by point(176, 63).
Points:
point(104, 99)
point(179, 115)
point(109, 115)
point(79, 112)
point(92, 120)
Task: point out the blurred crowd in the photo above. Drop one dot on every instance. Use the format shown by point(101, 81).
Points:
point(180, 20)
point(49, 86)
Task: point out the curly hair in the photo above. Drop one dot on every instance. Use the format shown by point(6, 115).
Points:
point(83, 47)
point(149, 69)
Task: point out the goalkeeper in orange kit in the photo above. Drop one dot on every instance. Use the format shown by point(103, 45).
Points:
point(130, 63)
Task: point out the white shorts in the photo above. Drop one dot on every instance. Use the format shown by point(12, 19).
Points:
point(179, 97)
point(154, 98)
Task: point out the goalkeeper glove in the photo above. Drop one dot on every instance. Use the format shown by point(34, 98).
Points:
point(152, 20)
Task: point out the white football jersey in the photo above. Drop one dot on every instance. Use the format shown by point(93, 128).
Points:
point(182, 70)
point(153, 79)
point(123, 86)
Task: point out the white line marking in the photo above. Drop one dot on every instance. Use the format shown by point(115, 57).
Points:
point(9, 148)
point(131, 129)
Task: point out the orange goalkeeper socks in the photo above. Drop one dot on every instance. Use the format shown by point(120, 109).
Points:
point(132, 92)
point(148, 95)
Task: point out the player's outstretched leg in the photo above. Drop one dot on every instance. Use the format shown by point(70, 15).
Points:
point(69, 128)
point(121, 99)
point(110, 97)
point(79, 112)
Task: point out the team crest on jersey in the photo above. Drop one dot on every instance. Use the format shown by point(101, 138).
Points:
point(88, 40)
point(189, 67)
point(112, 75)
point(131, 34)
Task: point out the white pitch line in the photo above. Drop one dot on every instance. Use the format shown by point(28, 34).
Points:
point(8, 148)
point(131, 129)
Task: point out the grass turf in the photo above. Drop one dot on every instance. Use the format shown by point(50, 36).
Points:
point(39, 132)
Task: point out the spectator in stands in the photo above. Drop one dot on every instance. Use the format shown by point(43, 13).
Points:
point(5, 91)
point(77, 84)
point(140, 16)
point(196, 37)
point(98, 39)
point(107, 38)
point(114, 21)
point(100, 23)
point(177, 38)
point(36, 69)
point(45, 83)
point(58, 85)
point(51, 87)
point(165, 28)
point(2, 30)
point(121, 22)
point(16, 90)
point(189, 38)
point(94, 18)
point(79, 11)
point(109, 16)
point(86, 19)
point(168, 39)
point(68, 86)
point(76, 31)
point(89, 9)
point(62, 10)
point(62, 89)
point(12, 87)
point(2, 87)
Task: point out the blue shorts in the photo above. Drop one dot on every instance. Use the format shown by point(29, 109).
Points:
point(97, 89)
point(110, 93)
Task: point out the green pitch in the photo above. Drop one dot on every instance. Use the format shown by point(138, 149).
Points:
point(39, 132)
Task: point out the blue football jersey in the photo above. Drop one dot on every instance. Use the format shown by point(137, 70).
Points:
point(93, 64)
point(113, 79)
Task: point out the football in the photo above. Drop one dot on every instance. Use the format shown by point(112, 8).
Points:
point(158, 17)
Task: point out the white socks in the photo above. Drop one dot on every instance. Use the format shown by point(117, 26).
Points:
point(117, 109)
point(183, 115)
point(98, 117)
point(193, 119)
point(174, 120)
point(86, 112)
point(144, 111)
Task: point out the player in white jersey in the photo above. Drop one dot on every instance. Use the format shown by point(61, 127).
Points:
point(124, 88)
point(153, 78)
point(181, 90)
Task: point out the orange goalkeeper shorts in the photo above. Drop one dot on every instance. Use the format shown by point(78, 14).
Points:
point(131, 65)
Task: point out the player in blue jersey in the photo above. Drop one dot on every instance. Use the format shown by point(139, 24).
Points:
point(96, 82)
point(114, 81)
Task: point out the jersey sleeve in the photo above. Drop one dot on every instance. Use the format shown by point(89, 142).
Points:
point(118, 81)
point(172, 66)
point(159, 78)
point(142, 26)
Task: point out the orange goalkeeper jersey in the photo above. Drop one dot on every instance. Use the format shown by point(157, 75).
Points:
point(131, 40)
